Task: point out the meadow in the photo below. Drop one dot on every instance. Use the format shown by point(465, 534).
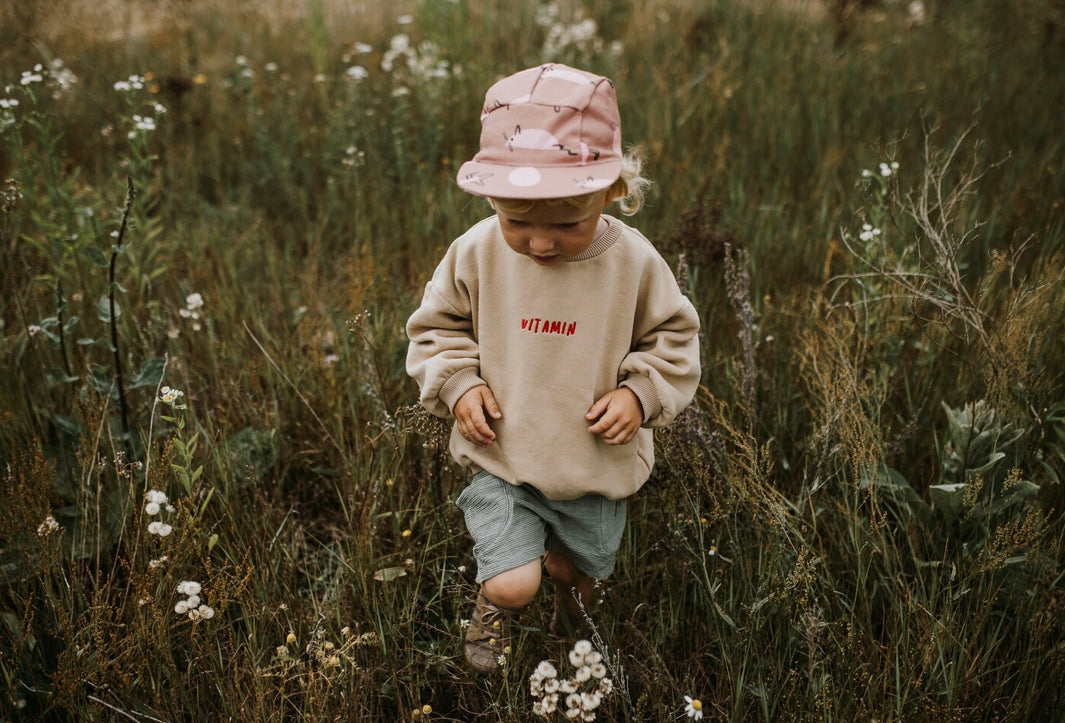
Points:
point(219, 499)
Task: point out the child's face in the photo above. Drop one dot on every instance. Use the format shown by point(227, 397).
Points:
point(550, 233)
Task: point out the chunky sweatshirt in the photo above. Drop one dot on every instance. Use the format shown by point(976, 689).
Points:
point(549, 342)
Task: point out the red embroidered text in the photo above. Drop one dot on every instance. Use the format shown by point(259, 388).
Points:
point(546, 326)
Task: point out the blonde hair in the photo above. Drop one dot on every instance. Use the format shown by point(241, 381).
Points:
point(628, 190)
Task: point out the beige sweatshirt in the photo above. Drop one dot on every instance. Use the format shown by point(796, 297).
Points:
point(549, 342)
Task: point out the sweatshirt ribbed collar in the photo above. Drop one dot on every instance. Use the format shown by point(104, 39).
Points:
point(604, 239)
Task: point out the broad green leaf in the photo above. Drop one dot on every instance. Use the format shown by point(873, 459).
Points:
point(103, 310)
point(98, 257)
point(149, 375)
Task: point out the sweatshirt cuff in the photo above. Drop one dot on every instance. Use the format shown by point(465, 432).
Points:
point(458, 384)
point(645, 391)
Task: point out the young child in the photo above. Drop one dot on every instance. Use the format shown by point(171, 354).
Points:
point(557, 337)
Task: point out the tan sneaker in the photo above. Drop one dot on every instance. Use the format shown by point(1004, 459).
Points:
point(488, 635)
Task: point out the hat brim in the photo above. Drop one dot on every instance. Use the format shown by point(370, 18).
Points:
point(536, 182)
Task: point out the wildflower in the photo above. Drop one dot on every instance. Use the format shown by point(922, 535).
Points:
point(583, 674)
point(501, 660)
point(159, 108)
point(357, 72)
point(8, 103)
point(464, 623)
point(320, 78)
point(591, 701)
point(199, 79)
point(405, 19)
point(194, 301)
point(29, 77)
point(694, 707)
point(142, 123)
point(270, 67)
point(33, 330)
point(241, 60)
point(866, 173)
point(605, 686)
point(362, 48)
point(427, 709)
point(916, 11)
point(151, 508)
point(170, 395)
point(189, 587)
point(886, 169)
point(406, 533)
point(546, 669)
point(869, 232)
point(47, 527)
point(290, 638)
point(181, 607)
point(159, 528)
point(598, 671)
point(713, 548)
point(573, 700)
point(155, 495)
point(157, 562)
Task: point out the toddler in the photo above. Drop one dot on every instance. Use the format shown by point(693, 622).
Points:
point(557, 337)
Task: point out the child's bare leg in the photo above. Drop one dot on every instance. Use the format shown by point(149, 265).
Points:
point(514, 588)
point(569, 578)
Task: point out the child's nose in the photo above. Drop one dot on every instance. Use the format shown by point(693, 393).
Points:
point(540, 240)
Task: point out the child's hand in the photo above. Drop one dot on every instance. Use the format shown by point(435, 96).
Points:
point(470, 414)
point(619, 416)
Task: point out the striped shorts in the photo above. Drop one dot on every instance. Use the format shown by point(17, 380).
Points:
point(512, 525)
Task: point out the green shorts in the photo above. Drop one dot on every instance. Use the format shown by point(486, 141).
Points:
point(512, 525)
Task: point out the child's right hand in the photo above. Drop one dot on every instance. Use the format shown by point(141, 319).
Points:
point(470, 413)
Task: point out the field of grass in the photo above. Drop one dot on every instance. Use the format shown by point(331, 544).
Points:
point(215, 219)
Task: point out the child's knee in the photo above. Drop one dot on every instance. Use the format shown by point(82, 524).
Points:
point(514, 588)
point(561, 569)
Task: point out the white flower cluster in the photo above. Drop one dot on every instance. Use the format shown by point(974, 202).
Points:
point(886, 169)
point(192, 605)
point(47, 527)
point(29, 77)
point(64, 77)
point(584, 692)
point(134, 82)
point(169, 395)
point(193, 304)
point(581, 39)
point(416, 64)
point(157, 502)
point(869, 232)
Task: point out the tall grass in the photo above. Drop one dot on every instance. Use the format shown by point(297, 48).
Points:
point(859, 517)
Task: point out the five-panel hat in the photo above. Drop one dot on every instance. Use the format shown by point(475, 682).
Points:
point(546, 132)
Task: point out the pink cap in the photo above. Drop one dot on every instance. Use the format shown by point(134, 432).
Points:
point(547, 132)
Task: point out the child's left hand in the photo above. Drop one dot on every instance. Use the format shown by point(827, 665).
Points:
point(619, 416)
